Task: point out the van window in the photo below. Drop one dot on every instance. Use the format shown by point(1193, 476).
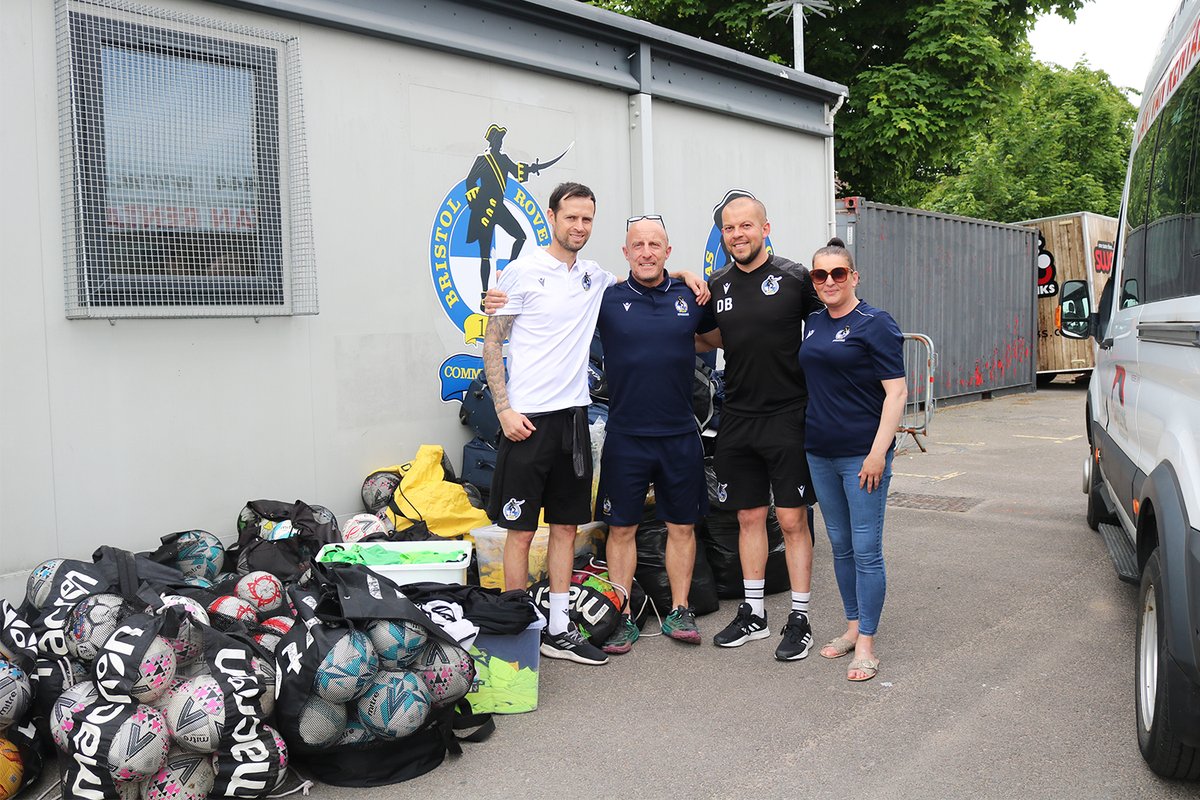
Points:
point(1173, 199)
point(1134, 234)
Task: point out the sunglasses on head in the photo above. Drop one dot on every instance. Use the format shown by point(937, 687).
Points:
point(652, 217)
point(839, 275)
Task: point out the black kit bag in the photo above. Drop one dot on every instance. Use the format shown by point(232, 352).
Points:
point(478, 411)
point(19, 646)
point(248, 762)
point(704, 392)
point(651, 572)
point(348, 596)
point(287, 559)
point(718, 534)
point(479, 465)
point(592, 611)
point(111, 570)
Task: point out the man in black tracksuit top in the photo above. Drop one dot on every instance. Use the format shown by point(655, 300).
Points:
point(759, 303)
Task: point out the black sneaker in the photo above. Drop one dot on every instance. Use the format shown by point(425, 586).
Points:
point(797, 638)
point(572, 647)
point(745, 626)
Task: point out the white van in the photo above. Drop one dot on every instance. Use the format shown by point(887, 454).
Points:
point(1143, 409)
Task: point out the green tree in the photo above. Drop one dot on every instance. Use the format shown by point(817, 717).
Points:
point(1057, 144)
point(922, 74)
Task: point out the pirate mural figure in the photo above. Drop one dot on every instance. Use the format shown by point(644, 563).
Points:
point(486, 183)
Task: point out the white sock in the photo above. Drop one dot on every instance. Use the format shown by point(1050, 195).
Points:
point(558, 620)
point(754, 595)
point(800, 602)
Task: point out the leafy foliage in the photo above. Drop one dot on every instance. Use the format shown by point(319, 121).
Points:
point(1057, 144)
point(924, 76)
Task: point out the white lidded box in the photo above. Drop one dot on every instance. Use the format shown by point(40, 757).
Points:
point(453, 570)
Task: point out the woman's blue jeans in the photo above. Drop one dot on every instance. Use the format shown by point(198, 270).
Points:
point(854, 521)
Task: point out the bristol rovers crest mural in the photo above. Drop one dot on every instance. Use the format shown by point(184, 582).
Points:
point(484, 222)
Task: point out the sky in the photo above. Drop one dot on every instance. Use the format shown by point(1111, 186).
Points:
point(1120, 37)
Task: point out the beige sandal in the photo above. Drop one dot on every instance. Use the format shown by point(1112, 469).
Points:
point(869, 666)
point(841, 647)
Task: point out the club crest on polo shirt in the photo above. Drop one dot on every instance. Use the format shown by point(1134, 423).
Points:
point(681, 306)
point(512, 509)
point(771, 285)
point(722, 494)
point(607, 506)
point(841, 335)
point(587, 281)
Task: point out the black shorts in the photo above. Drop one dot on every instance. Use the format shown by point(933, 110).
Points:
point(539, 473)
point(674, 464)
point(758, 456)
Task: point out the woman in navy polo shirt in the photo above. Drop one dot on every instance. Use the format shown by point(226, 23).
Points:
point(853, 359)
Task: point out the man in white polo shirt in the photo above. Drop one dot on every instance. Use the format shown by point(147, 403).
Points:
point(553, 300)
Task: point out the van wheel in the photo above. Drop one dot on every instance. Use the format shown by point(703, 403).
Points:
point(1163, 751)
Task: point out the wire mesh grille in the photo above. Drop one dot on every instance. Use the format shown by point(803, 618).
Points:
point(185, 175)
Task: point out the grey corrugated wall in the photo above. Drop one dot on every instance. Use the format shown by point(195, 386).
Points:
point(968, 284)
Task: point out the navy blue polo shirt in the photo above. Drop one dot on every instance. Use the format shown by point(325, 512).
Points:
point(845, 360)
point(649, 356)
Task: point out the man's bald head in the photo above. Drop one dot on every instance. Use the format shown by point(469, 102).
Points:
point(742, 206)
point(647, 249)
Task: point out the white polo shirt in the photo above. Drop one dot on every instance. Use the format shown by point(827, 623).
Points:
point(555, 310)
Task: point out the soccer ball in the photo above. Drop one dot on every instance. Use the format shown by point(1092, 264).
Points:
point(12, 769)
point(360, 526)
point(196, 714)
point(92, 621)
point(354, 733)
point(447, 670)
point(397, 642)
point(15, 694)
point(321, 721)
point(233, 609)
point(347, 669)
point(261, 589)
point(281, 753)
point(274, 531)
point(189, 643)
point(279, 625)
point(395, 705)
point(139, 747)
point(185, 776)
point(156, 671)
point(378, 489)
point(41, 582)
point(66, 706)
point(200, 555)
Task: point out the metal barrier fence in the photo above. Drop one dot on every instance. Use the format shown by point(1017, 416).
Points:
point(920, 364)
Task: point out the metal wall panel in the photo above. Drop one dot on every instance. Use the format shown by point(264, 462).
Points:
point(968, 284)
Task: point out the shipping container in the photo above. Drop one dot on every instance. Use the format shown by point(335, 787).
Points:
point(968, 284)
point(1076, 246)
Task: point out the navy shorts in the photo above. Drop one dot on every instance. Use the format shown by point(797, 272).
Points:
point(674, 464)
point(758, 457)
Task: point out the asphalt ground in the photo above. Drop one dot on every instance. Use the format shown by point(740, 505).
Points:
point(1006, 650)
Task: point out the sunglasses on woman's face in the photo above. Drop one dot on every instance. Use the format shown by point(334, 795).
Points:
point(839, 275)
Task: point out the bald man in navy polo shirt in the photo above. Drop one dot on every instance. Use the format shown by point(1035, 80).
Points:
point(647, 326)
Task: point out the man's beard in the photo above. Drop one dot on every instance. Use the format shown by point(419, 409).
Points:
point(565, 244)
point(748, 259)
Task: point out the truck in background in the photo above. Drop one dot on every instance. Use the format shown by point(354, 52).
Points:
point(1077, 246)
